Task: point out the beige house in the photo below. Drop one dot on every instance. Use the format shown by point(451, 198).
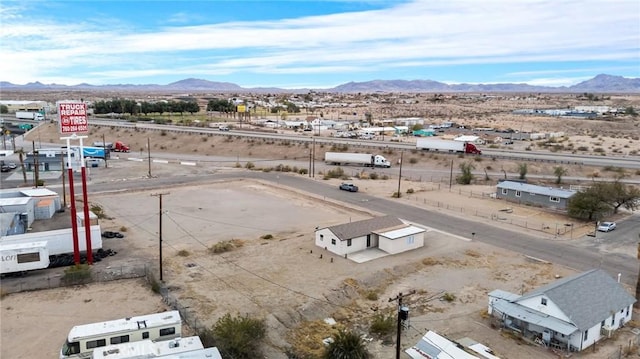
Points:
point(389, 234)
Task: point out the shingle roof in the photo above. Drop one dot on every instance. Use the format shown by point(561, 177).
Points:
point(541, 190)
point(586, 298)
point(364, 227)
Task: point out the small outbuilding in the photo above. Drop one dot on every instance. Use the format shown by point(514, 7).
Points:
point(387, 233)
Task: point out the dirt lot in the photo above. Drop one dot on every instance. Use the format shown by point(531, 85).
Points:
point(283, 279)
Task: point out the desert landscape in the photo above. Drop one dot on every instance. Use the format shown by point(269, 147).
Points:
point(276, 272)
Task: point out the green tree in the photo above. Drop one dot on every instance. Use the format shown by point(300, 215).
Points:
point(466, 176)
point(238, 337)
point(559, 171)
point(4, 109)
point(587, 205)
point(522, 170)
point(617, 194)
point(628, 111)
point(346, 345)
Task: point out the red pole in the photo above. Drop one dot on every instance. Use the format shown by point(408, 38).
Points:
point(74, 219)
point(87, 221)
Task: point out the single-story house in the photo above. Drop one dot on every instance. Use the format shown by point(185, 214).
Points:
point(525, 193)
point(386, 233)
point(476, 140)
point(571, 313)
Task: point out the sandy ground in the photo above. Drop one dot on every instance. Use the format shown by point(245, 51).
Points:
point(283, 279)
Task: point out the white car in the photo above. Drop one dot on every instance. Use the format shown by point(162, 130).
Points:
point(606, 226)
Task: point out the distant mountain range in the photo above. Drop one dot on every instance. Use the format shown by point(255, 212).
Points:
point(599, 84)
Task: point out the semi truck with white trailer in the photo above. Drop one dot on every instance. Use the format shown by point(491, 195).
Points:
point(361, 159)
point(430, 144)
point(29, 115)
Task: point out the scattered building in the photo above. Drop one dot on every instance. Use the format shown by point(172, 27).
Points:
point(434, 346)
point(571, 314)
point(389, 234)
point(525, 193)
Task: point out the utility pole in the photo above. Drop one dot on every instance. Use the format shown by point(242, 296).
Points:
point(104, 145)
point(310, 154)
point(400, 175)
point(159, 195)
point(149, 156)
point(64, 184)
point(314, 158)
point(403, 314)
point(451, 176)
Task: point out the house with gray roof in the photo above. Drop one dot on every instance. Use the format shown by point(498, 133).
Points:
point(387, 233)
point(570, 314)
point(534, 195)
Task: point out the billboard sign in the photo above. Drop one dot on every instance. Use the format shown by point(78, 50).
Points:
point(73, 117)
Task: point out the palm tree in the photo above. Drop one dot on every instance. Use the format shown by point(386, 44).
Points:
point(346, 345)
point(559, 171)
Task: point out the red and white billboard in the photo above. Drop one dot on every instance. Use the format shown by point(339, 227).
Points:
point(73, 117)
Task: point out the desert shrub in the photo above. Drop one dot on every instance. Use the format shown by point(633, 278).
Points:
point(410, 190)
point(372, 295)
point(383, 325)
point(224, 246)
point(303, 171)
point(249, 165)
point(123, 229)
point(267, 236)
point(98, 211)
point(77, 274)
point(413, 160)
point(335, 173)
point(373, 176)
point(183, 253)
point(582, 148)
point(396, 195)
point(384, 177)
point(238, 337)
point(163, 133)
point(449, 297)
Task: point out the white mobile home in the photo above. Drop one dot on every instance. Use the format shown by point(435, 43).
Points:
point(83, 339)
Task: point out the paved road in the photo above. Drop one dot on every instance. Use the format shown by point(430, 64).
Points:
point(561, 252)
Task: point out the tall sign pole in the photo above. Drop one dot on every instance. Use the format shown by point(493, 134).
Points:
point(73, 120)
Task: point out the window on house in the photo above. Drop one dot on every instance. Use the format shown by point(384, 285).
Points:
point(602, 324)
point(321, 237)
point(348, 243)
point(504, 191)
point(145, 335)
point(543, 301)
point(627, 311)
point(532, 194)
point(586, 335)
point(518, 194)
point(554, 199)
point(411, 240)
point(333, 241)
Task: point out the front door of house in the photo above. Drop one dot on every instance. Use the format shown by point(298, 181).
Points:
point(368, 240)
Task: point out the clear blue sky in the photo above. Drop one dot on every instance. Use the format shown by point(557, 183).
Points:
point(318, 44)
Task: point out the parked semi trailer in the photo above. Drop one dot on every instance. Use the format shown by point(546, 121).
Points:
point(59, 245)
point(361, 159)
point(429, 144)
point(22, 257)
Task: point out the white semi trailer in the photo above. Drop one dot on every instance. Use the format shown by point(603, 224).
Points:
point(22, 257)
point(430, 144)
point(29, 115)
point(361, 159)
